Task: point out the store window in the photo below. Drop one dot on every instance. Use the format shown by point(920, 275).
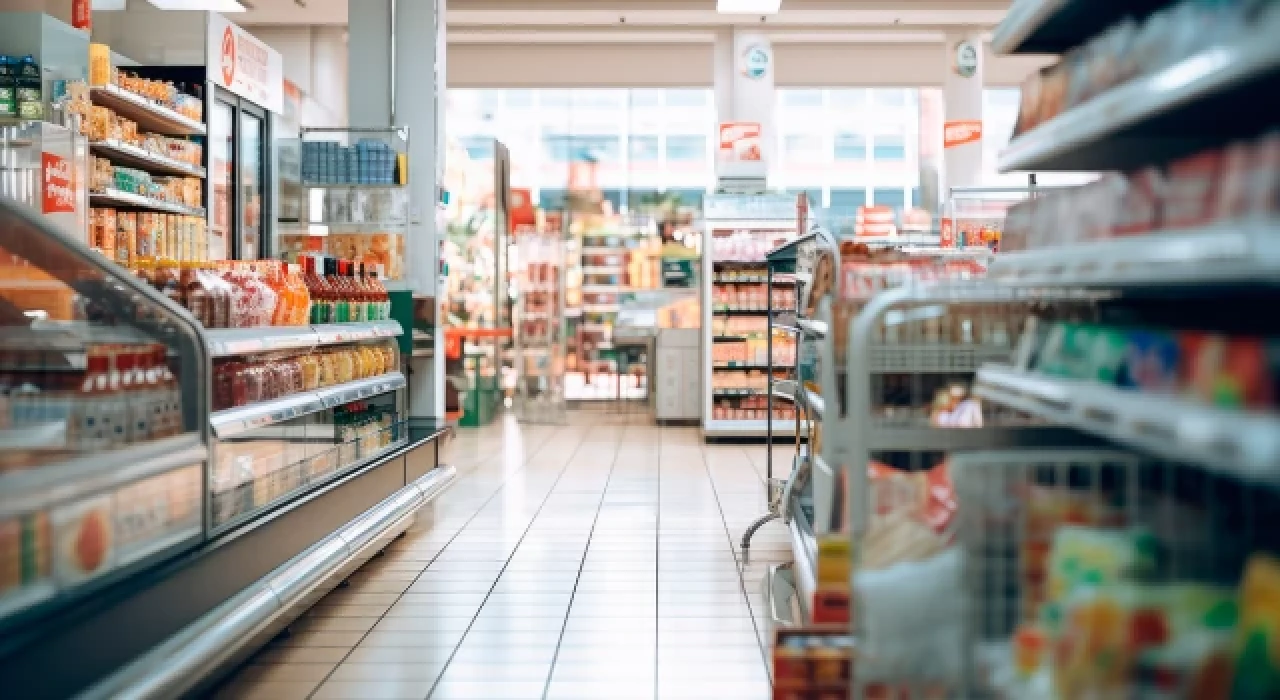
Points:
point(889, 147)
point(845, 198)
point(853, 97)
point(478, 146)
point(686, 148)
point(802, 98)
point(564, 148)
point(688, 98)
point(802, 148)
point(644, 148)
point(894, 197)
point(850, 146)
point(689, 197)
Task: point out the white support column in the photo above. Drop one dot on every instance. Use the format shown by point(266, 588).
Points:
point(396, 77)
point(962, 109)
point(744, 85)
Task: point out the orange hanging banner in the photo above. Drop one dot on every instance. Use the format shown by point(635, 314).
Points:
point(959, 133)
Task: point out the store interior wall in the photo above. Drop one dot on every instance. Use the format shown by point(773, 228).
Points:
point(315, 59)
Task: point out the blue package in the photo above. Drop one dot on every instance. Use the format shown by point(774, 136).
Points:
point(1150, 362)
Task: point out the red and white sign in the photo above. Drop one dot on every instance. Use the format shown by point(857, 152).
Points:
point(875, 222)
point(59, 185)
point(961, 132)
point(241, 63)
point(739, 142)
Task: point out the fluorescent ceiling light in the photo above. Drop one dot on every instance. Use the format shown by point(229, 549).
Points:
point(207, 5)
point(748, 7)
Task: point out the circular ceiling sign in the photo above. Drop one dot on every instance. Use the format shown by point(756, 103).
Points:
point(966, 59)
point(228, 56)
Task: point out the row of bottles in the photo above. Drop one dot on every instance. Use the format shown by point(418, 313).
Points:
point(345, 293)
point(246, 294)
point(128, 395)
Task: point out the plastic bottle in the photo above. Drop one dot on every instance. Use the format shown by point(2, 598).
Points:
point(275, 279)
point(91, 428)
point(115, 406)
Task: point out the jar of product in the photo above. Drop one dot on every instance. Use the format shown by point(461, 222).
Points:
point(359, 368)
point(309, 367)
point(223, 396)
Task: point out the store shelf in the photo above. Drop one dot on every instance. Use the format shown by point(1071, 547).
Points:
point(223, 342)
point(790, 390)
point(735, 393)
point(128, 154)
point(1237, 442)
point(90, 474)
point(934, 358)
point(755, 279)
point(728, 338)
point(148, 115)
point(332, 333)
point(741, 312)
point(1054, 26)
point(751, 367)
point(1174, 112)
point(241, 419)
point(603, 269)
point(120, 198)
point(750, 428)
point(814, 329)
point(804, 553)
point(1220, 254)
point(353, 185)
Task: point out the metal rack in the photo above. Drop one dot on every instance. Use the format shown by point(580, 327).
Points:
point(771, 217)
point(798, 262)
point(540, 329)
point(1097, 497)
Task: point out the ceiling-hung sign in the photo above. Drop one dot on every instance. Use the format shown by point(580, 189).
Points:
point(244, 65)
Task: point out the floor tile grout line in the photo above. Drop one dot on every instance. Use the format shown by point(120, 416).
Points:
point(479, 509)
point(617, 448)
point(568, 461)
point(739, 564)
point(657, 582)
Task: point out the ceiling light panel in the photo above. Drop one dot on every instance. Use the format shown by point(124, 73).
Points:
point(748, 7)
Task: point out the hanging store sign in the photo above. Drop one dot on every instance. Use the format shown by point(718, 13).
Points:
point(966, 59)
point(59, 192)
point(958, 133)
point(756, 59)
point(239, 62)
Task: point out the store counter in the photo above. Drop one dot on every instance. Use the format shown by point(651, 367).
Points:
point(172, 496)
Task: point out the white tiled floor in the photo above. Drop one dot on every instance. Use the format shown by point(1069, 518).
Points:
point(593, 560)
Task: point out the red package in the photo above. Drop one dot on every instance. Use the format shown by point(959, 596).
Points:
point(1139, 205)
point(1262, 198)
point(1228, 372)
point(1191, 190)
point(1232, 200)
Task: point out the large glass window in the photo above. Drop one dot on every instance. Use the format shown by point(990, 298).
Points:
point(648, 140)
point(802, 148)
point(894, 197)
point(645, 148)
point(889, 147)
point(850, 146)
point(848, 198)
point(684, 147)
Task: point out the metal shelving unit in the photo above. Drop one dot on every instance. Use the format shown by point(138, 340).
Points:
point(767, 218)
point(1155, 118)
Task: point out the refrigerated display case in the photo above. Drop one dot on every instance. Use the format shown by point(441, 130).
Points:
point(168, 486)
point(240, 168)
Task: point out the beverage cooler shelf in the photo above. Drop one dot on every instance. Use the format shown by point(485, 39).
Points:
point(242, 419)
point(224, 342)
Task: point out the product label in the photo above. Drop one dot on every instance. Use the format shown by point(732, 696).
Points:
point(59, 185)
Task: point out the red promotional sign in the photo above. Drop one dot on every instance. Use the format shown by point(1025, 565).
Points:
point(739, 141)
point(961, 132)
point(59, 192)
point(228, 57)
point(947, 229)
point(81, 14)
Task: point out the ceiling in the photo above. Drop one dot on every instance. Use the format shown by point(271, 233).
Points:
point(573, 21)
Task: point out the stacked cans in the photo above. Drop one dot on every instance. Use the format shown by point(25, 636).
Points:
point(369, 162)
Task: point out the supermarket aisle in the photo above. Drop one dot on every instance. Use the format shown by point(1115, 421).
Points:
point(594, 560)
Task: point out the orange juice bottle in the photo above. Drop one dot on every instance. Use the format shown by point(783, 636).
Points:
point(302, 297)
point(284, 299)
